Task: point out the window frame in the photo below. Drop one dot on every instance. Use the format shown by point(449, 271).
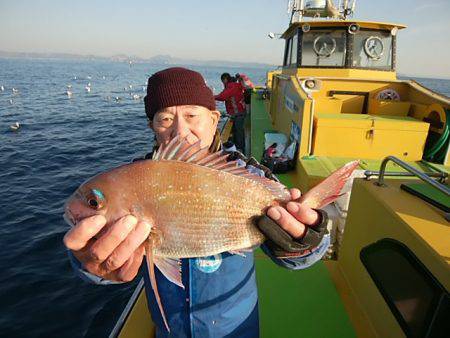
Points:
point(326, 29)
point(441, 297)
point(393, 49)
point(288, 50)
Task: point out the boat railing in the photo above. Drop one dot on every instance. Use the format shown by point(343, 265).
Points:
point(414, 172)
point(127, 310)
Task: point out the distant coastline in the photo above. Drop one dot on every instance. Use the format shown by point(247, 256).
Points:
point(167, 60)
point(157, 59)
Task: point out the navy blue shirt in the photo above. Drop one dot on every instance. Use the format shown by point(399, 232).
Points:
point(220, 297)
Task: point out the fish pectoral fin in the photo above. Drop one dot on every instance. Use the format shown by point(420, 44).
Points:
point(151, 271)
point(170, 268)
point(241, 252)
point(330, 188)
point(237, 252)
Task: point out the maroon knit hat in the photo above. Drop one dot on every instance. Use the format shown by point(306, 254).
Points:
point(175, 87)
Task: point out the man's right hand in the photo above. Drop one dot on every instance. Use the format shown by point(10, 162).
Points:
point(114, 252)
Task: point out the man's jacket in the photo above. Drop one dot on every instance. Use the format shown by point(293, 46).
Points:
point(233, 95)
point(220, 297)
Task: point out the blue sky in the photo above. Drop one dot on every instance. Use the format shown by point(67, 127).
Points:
point(209, 30)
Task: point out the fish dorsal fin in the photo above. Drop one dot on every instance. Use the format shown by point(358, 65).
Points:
point(330, 188)
point(168, 151)
point(178, 149)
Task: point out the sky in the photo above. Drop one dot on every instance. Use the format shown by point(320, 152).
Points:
point(234, 30)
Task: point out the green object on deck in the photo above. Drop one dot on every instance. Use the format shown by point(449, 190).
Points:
point(428, 194)
point(302, 303)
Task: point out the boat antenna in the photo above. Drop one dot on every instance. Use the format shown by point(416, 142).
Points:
point(295, 8)
point(299, 9)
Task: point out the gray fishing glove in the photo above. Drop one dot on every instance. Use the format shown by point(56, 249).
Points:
point(284, 245)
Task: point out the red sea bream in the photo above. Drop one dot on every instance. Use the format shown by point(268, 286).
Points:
point(197, 203)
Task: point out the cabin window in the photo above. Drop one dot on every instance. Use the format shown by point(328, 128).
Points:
point(372, 49)
point(287, 57)
point(294, 49)
point(291, 51)
point(323, 48)
point(417, 300)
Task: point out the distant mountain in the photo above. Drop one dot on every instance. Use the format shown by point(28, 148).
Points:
point(157, 59)
point(32, 55)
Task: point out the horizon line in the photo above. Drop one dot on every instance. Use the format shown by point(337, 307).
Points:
point(47, 55)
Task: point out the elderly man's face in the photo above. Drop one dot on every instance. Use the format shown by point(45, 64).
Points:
point(192, 122)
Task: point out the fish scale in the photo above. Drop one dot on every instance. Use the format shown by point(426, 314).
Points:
point(218, 223)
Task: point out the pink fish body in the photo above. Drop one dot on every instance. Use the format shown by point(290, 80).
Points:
point(197, 203)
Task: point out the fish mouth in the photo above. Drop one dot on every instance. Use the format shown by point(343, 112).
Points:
point(68, 217)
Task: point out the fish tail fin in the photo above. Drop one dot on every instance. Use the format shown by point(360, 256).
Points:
point(151, 271)
point(330, 188)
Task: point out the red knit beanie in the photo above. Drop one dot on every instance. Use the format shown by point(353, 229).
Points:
point(175, 87)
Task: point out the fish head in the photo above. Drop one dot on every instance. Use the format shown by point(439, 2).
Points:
point(103, 195)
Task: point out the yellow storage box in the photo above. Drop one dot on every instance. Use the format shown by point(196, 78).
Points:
point(329, 105)
point(351, 104)
point(391, 108)
point(366, 136)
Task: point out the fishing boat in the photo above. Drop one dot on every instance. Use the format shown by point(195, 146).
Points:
point(335, 99)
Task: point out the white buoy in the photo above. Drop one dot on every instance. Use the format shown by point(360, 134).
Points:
point(15, 91)
point(69, 94)
point(15, 126)
point(88, 89)
point(130, 86)
point(11, 101)
point(2, 88)
point(136, 97)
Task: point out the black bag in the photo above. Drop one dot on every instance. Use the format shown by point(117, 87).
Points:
point(278, 165)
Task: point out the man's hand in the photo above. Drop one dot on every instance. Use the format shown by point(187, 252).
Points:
point(295, 217)
point(292, 231)
point(114, 252)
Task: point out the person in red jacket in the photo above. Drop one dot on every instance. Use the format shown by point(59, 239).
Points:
point(233, 95)
point(248, 86)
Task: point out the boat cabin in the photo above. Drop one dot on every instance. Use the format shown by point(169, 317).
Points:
point(340, 45)
point(338, 86)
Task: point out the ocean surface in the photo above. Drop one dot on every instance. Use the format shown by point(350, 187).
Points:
point(62, 142)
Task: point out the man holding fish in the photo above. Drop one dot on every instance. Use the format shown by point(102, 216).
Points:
point(196, 215)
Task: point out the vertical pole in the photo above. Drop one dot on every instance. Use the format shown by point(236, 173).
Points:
point(300, 9)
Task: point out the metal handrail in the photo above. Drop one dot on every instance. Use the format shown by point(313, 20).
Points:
point(441, 176)
point(441, 187)
point(127, 310)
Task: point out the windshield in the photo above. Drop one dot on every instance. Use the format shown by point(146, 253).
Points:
point(372, 49)
point(369, 49)
point(323, 48)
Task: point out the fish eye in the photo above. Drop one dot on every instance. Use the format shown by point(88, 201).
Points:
point(93, 203)
point(95, 199)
